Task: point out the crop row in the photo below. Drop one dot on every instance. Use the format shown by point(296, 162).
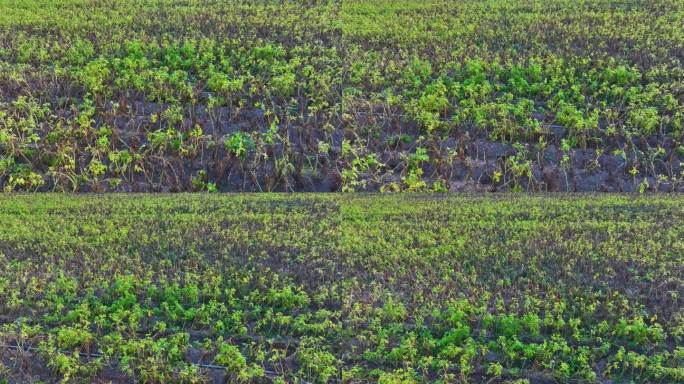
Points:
point(327, 95)
point(331, 288)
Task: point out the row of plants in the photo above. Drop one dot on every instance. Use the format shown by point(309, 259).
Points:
point(169, 83)
point(315, 288)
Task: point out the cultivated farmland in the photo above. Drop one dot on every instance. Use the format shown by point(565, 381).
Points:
point(430, 95)
point(519, 97)
point(342, 289)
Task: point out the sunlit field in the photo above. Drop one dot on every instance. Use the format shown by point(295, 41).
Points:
point(353, 95)
point(156, 123)
point(342, 288)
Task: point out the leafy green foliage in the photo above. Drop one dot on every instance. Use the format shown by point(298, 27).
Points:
point(249, 92)
point(316, 288)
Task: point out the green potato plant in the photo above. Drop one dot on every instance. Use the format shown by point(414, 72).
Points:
point(313, 287)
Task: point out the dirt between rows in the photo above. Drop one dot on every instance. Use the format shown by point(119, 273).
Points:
point(296, 163)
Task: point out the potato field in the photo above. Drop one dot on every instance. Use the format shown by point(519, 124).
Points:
point(346, 95)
